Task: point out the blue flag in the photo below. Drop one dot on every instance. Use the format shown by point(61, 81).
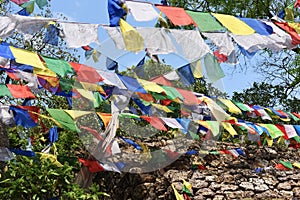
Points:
point(115, 12)
point(51, 36)
point(186, 75)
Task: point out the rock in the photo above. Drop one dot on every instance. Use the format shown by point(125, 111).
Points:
point(199, 184)
point(267, 194)
point(233, 195)
point(296, 191)
point(227, 178)
point(247, 185)
point(215, 186)
point(271, 151)
point(284, 186)
point(175, 175)
point(210, 178)
point(198, 175)
point(256, 181)
point(229, 187)
point(270, 180)
point(261, 187)
point(205, 192)
point(286, 194)
point(178, 185)
point(218, 197)
point(215, 163)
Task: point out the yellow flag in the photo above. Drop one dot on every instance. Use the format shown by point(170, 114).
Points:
point(231, 106)
point(177, 195)
point(296, 164)
point(77, 113)
point(31, 58)
point(228, 127)
point(105, 117)
point(87, 94)
point(197, 69)
point(51, 157)
point(150, 86)
point(92, 87)
point(132, 39)
point(187, 185)
point(269, 141)
point(295, 26)
point(161, 107)
point(234, 25)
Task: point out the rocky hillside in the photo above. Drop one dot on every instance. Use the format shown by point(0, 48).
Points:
point(253, 176)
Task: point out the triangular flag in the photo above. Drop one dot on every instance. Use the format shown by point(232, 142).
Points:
point(133, 40)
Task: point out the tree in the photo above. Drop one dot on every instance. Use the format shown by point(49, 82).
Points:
point(36, 177)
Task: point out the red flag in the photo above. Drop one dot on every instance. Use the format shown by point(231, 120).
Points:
point(92, 165)
point(177, 16)
point(281, 167)
point(20, 91)
point(85, 73)
point(155, 122)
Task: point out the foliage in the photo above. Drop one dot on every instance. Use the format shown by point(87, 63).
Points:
point(33, 178)
point(268, 95)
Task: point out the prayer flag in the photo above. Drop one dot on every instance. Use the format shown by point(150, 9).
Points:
point(213, 69)
point(85, 73)
point(51, 36)
point(177, 15)
point(61, 67)
point(205, 22)
point(92, 165)
point(186, 75)
point(115, 12)
point(22, 117)
point(155, 122)
point(4, 91)
point(20, 91)
point(63, 119)
point(177, 195)
point(133, 40)
point(259, 26)
point(142, 11)
point(234, 25)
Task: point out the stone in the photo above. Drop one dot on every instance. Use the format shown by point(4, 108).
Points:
point(218, 197)
point(286, 194)
point(227, 178)
point(205, 192)
point(256, 181)
point(284, 186)
point(296, 191)
point(176, 175)
point(229, 187)
point(215, 186)
point(198, 175)
point(270, 180)
point(261, 187)
point(199, 184)
point(247, 185)
point(210, 178)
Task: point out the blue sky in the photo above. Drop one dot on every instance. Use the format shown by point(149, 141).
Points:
point(95, 11)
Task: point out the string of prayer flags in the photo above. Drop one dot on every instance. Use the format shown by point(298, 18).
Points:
point(233, 24)
point(231, 107)
point(177, 16)
point(259, 26)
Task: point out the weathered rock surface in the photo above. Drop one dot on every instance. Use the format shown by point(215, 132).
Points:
point(224, 178)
